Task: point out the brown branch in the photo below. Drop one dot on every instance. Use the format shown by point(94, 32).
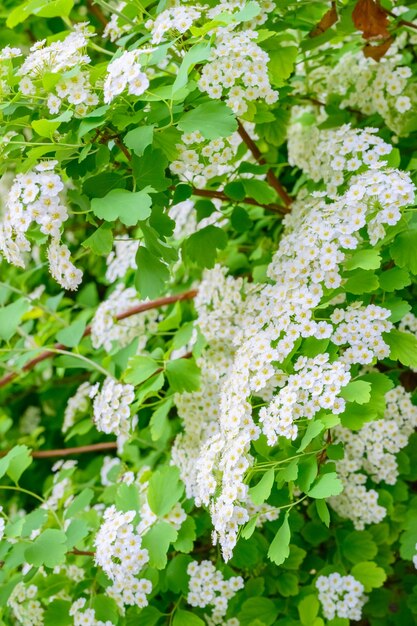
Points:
point(81, 552)
point(139, 308)
point(208, 193)
point(95, 10)
point(60, 452)
point(119, 143)
point(270, 176)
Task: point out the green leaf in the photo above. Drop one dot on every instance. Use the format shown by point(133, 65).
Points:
point(280, 546)
point(358, 546)
point(105, 608)
point(240, 220)
point(323, 512)
point(186, 618)
point(212, 119)
point(101, 241)
point(261, 492)
point(262, 609)
point(128, 206)
point(99, 186)
point(57, 613)
point(76, 531)
point(127, 498)
point(197, 53)
point(403, 347)
point(165, 489)
point(151, 275)
point(15, 462)
point(158, 423)
point(140, 368)
point(308, 609)
point(358, 391)
point(365, 259)
point(33, 520)
point(394, 279)
point(201, 247)
point(325, 486)
point(10, 317)
point(369, 574)
point(287, 584)
point(79, 503)
point(149, 616)
point(186, 536)
point(149, 169)
point(282, 62)
point(404, 250)
point(259, 190)
point(362, 281)
point(249, 528)
point(48, 549)
point(139, 139)
point(157, 541)
point(183, 375)
point(72, 335)
point(313, 429)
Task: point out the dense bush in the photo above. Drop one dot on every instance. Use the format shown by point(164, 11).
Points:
point(208, 317)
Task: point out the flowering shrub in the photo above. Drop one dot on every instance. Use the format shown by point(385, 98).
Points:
point(208, 316)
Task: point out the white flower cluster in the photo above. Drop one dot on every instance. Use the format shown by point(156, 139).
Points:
point(85, 617)
point(78, 403)
point(236, 71)
point(415, 559)
point(111, 407)
point(34, 198)
point(61, 267)
point(199, 159)
point(360, 328)
point(59, 56)
point(371, 452)
point(122, 258)
point(123, 73)
point(207, 587)
point(106, 330)
point(370, 86)
point(260, 325)
point(178, 18)
point(313, 387)
point(75, 91)
point(114, 29)
point(62, 488)
point(75, 573)
point(30, 420)
point(119, 554)
point(333, 155)
point(175, 517)
point(341, 596)
point(26, 610)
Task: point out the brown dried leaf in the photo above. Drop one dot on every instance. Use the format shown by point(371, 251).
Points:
point(326, 22)
point(370, 18)
point(377, 52)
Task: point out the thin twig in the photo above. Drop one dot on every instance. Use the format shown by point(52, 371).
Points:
point(95, 10)
point(60, 452)
point(220, 195)
point(270, 176)
point(81, 552)
point(139, 308)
